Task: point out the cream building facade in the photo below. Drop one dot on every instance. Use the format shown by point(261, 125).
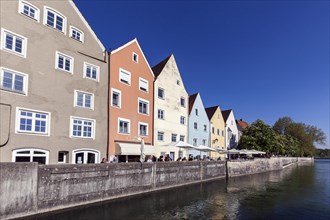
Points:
point(170, 109)
point(217, 130)
point(53, 85)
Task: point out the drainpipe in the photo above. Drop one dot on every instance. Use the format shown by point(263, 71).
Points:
point(108, 105)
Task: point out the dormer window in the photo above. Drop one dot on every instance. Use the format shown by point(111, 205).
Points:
point(76, 34)
point(135, 57)
point(29, 10)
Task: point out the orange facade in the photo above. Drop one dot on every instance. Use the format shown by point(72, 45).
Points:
point(131, 97)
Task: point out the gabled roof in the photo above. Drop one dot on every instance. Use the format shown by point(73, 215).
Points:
point(210, 111)
point(137, 43)
point(86, 23)
point(192, 99)
point(225, 114)
point(242, 124)
point(157, 69)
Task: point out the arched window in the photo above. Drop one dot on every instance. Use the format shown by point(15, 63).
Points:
point(30, 155)
point(84, 156)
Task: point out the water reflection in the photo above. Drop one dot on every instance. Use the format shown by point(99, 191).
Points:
point(287, 193)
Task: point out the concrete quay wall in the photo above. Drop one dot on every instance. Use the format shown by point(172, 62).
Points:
point(28, 189)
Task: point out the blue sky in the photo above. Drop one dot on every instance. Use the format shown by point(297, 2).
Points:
point(263, 59)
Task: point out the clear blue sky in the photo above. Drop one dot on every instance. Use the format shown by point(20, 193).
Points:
point(263, 59)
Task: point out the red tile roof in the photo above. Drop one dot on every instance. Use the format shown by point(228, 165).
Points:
point(242, 123)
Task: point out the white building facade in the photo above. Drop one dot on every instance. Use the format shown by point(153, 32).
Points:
point(231, 131)
point(170, 109)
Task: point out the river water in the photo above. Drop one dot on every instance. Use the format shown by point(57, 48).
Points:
point(296, 192)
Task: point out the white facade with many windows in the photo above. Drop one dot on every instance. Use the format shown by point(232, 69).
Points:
point(171, 109)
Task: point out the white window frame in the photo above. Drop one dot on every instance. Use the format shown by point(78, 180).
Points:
point(213, 130)
point(182, 120)
point(195, 141)
point(182, 138)
point(14, 72)
point(86, 151)
point(147, 129)
point(75, 104)
point(21, 10)
point(204, 142)
point(162, 134)
point(137, 57)
point(31, 154)
point(148, 106)
point(174, 135)
point(195, 127)
point(56, 13)
point(4, 33)
point(184, 104)
point(118, 92)
point(93, 131)
point(121, 70)
point(218, 131)
point(159, 88)
point(128, 127)
point(32, 132)
point(86, 65)
point(162, 114)
point(57, 56)
point(145, 81)
point(205, 128)
point(196, 111)
point(82, 35)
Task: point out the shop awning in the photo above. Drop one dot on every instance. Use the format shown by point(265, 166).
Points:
point(134, 149)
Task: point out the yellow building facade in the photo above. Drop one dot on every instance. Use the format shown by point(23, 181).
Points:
point(217, 130)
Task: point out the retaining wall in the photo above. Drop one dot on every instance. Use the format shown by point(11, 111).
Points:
point(27, 189)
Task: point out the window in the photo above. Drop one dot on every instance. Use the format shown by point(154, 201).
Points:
point(178, 82)
point(205, 127)
point(218, 131)
point(135, 57)
point(161, 114)
point(161, 93)
point(85, 156)
point(160, 136)
point(82, 128)
point(218, 116)
point(223, 133)
point(183, 102)
point(204, 142)
point(30, 155)
point(143, 129)
point(13, 43)
point(124, 126)
point(143, 106)
point(32, 122)
point(195, 125)
point(76, 34)
point(29, 10)
point(54, 20)
point(196, 111)
point(212, 130)
point(182, 137)
point(13, 81)
point(182, 120)
point(195, 142)
point(143, 85)
point(83, 99)
point(232, 122)
point(116, 98)
point(91, 71)
point(174, 137)
point(64, 62)
point(63, 157)
point(124, 76)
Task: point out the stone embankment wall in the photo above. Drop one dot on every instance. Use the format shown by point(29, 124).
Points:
point(27, 189)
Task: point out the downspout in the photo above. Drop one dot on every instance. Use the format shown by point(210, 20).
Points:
point(9, 121)
point(108, 104)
